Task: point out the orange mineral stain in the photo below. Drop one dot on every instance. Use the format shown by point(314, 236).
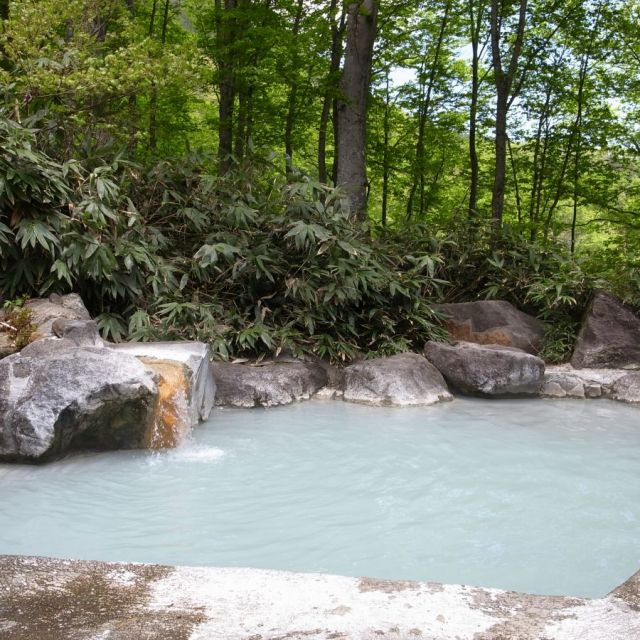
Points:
point(171, 423)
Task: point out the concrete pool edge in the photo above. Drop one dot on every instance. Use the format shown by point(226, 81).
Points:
point(63, 599)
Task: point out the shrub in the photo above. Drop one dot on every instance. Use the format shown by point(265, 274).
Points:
point(266, 264)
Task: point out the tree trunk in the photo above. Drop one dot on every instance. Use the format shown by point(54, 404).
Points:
point(153, 99)
point(352, 109)
point(475, 23)
point(226, 84)
point(328, 100)
point(497, 201)
point(542, 119)
point(516, 184)
point(504, 76)
point(541, 179)
point(241, 127)
point(584, 67)
point(153, 102)
point(473, 128)
point(293, 92)
point(423, 114)
point(133, 98)
point(386, 169)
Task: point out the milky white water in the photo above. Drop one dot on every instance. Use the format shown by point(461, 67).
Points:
point(531, 495)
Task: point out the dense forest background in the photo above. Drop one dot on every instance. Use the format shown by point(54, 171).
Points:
point(176, 163)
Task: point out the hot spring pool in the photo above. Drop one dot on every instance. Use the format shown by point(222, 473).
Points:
point(532, 495)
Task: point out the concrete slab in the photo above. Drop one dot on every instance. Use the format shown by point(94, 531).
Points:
point(49, 599)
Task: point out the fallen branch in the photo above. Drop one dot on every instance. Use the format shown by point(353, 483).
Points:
point(8, 326)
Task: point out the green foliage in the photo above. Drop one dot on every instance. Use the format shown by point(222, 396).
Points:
point(560, 339)
point(17, 320)
point(66, 227)
point(282, 266)
point(104, 99)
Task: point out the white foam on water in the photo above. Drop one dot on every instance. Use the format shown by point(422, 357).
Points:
point(197, 454)
point(189, 452)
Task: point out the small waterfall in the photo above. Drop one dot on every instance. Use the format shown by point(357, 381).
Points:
point(171, 424)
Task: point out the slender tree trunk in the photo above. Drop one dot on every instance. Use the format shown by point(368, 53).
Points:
point(226, 83)
point(541, 180)
point(584, 67)
point(386, 169)
point(516, 183)
point(293, 91)
point(537, 149)
point(352, 110)
point(424, 110)
point(133, 98)
point(475, 21)
point(328, 99)
point(335, 123)
point(153, 103)
point(4, 9)
point(559, 185)
point(153, 99)
point(165, 22)
point(497, 202)
point(241, 126)
point(504, 77)
point(248, 132)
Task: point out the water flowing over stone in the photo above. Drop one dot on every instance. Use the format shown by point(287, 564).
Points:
point(186, 387)
point(609, 337)
point(493, 322)
point(268, 385)
point(56, 397)
point(487, 369)
point(407, 379)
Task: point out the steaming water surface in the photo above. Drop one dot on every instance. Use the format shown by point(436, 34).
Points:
point(531, 495)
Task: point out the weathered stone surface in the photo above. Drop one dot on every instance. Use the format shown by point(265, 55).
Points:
point(50, 599)
point(44, 312)
point(55, 397)
point(83, 333)
point(609, 337)
point(563, 381)
point(487, 369)
point(493, 322)
point(267, 385)
point(629, 592)
point(187, 388)
point(7, 346)
point(407, 379)
point(627, 388)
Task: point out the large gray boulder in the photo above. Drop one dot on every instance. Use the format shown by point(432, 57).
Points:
point(185, 365)
point(487, 369)
point(493, 322)
point(609, 337)
point(627, 388)
point(45, 311)
point(50, 317)
point(407, 379)
point(267, 385)
point(56, 396)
